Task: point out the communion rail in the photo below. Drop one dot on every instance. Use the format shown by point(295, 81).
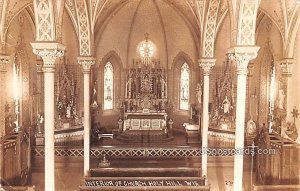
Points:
point(133, 152)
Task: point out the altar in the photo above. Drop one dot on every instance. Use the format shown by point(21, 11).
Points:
point(145, 105)
point(145, 121)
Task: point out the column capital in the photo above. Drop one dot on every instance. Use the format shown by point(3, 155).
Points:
point(86, 62)
point(206, 64)
point(4, 60)
point(286, 66)
point(48, 51)
point(242, 55)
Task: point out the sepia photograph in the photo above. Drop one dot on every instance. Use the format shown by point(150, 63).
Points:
point(149, 95)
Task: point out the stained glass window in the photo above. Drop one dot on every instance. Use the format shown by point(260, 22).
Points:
point(184, 86)
point(108, 85)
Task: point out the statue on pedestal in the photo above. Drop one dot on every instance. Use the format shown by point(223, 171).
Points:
point(199, 94)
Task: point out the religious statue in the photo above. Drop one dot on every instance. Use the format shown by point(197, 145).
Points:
point(251, 127)
point(226, 106)
point(163, 87)
point(94, 96)
point(39, 123)
point(133, 93)
point(199, 93)
point(68, 112)
point(128, 88)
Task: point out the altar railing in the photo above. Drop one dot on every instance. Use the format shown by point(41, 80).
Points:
point(221, 138)
point(138, 152)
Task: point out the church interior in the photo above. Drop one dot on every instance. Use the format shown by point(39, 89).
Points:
point(150, 95)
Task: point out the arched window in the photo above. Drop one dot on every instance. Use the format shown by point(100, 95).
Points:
point(108, 86)
point(184, 87)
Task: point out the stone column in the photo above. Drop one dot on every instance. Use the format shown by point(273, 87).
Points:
point(4, 60)
point(206, 64)
point(242, 56)
point(86, 63)
point(49, 52)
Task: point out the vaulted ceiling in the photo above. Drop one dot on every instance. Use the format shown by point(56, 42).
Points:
point(284, 13)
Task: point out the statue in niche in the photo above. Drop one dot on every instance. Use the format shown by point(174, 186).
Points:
point(226, 106)
point(163, 87)
point(133, 94)
point(199, 94)
point(281, 99)
point(68, 112)
point(128, 88)
point(39, 123)
point(251, 128)
point(159, 89)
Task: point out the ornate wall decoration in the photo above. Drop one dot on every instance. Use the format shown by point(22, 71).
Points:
point(291, 6)
point(246, 22)
point(84, 32)
point(44, 19)
point(70, 6)
point(193, 7)
point(210, 29)
point(223, 8)
point(67, 94)
point(223, 96)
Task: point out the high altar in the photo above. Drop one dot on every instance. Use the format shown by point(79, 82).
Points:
point(146, 93)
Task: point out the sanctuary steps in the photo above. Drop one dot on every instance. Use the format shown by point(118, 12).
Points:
point(154, 179)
